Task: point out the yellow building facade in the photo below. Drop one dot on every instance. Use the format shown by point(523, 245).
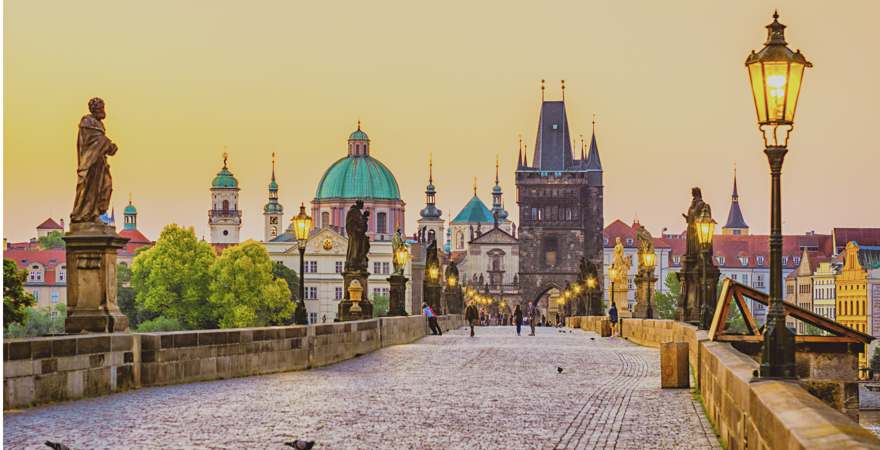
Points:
point(851, 286)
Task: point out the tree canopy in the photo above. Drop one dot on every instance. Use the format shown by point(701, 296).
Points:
point(244, 291)
point(280, 271)
point(666, 302)
point(173, 278)
point(15, 299)
point(51, 240)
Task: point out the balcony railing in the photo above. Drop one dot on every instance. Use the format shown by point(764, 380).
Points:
point(224, 213)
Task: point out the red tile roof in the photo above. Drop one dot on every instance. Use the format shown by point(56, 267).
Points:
point(49, 259)
point(731, 248)
point(618, 228)
point(49, 224)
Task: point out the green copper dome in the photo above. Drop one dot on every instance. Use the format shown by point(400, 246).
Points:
point(130, 210)
point(224, 179)
point(358, 135)
point(358, 177)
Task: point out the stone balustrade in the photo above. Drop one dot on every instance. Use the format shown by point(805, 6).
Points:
point(746, 413)
point(50, 369)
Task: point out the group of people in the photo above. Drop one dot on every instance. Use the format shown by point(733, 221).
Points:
point(475, 317)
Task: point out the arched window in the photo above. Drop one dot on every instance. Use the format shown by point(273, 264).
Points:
point(459, 240)
point(225, 205)
point(273, 232)
point(325, 219)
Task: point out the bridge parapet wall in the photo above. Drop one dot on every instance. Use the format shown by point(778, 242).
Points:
point(50, 369)
point(747, 415)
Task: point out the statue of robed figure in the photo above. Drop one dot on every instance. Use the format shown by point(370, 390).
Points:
point(397, 245)
point(93, 184)
point(358, 242)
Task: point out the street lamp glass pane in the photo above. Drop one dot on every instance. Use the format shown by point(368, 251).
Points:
point(795, 78)
point(776, 80)
point(757, 78)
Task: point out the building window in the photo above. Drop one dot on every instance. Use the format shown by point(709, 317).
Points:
point(785, 260)
point(325, 219)
point(53, 314)
point(760, 260)
point(36, 295)
point(459, 240)
point(385, 268)
point(35, 274)
point(629, 241)
point(338, 293)
point(311, 266)
point(225, 205)
point(311, 292)
point(381, 222)
point(675, 259)
point(744, 260)
point(380, 292)
point(550, 247)
point(733, 277)
point(62, 273)
point(338, 266)
point(313, 318)
point(797, 260)
point(54, 297)
point(720, 260)
point(745, 279)
point(377, 268)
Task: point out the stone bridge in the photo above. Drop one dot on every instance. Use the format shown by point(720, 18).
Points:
point(376, 384)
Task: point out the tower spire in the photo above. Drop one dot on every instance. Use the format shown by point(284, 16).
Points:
point(563, 90)
point(736, 224)
point(542, 90)
point(496, 169)
point(583, 156)
point(430, 168)
point(273, 166)
point(475, 186)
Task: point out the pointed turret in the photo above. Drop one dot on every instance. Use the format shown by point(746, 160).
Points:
point(553, 141)
point(804, 268)
point(497, 205)
point(593, 160)
point(430, 210)
point(273, 211)
point(735, 225)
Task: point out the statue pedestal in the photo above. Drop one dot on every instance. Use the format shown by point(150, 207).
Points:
point(397, 295)
point(454, 300)
point(91, 279)
point(644, 283)
point(344, 312)
point(621, 300)
point(431, 295)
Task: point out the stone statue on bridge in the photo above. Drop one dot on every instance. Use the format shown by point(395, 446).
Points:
point(358, 243)
point(94, 185)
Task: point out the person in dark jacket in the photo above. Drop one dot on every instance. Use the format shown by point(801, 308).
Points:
point(471, 315)
point(612, 317)
point(517, 319)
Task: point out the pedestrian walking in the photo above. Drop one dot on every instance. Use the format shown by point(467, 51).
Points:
point(471, 315)
point(612, 317)
point(517, 318)
point(533, 317)
point(432, 320)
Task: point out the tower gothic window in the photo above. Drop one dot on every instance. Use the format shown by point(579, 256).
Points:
point(381, 222)
point(225, 205)
point(550, 248)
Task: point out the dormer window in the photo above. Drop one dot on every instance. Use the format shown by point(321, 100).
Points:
point(744, 260)
point(720, 260)
point(760, 260)
point(629, 241)
point(797, 259)
point(785, 260)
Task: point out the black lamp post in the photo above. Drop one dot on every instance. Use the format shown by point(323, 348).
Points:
point(593, 308)
point(776, 74)
point(648, 260)
point(302, 224)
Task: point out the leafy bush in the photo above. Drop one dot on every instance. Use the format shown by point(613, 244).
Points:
point(160, 323)
point(39, 322)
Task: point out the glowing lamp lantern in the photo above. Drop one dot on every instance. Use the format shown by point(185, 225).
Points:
point(776, 74)
point(402, 256)
point(576, 288)
point(612, 273)
point(302, 223)
point(705, 228)
point(648, 260)
point(591, 283)
point(434, 273)
point(451, 281)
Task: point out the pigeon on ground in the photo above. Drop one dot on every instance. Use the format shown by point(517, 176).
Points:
point(559, 370)
point(300, 444)
point(56, 445)
point(592, 339)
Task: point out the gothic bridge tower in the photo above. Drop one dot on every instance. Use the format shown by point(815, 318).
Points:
point(560, 203)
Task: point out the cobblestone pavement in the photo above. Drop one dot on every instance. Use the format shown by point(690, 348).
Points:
point(452, 391)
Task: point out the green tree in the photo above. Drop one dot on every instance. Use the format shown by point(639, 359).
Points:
point(125, 298)
point(381, 303)
point(244, 292)
point(874, 364)
point(172, 278)
point(51, 240)
point(39, 322)
point(15, 299)
point(282, 272)
point(666, 302)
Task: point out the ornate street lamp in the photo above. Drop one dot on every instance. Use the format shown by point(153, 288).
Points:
point(648, 260)
point(302, 224)
point(451, 282)
point(776, 74)
point(402, 256)
point(705, 226)
point(434, 273)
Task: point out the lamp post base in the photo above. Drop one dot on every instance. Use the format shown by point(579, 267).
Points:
point(777, 359)
point(397, 295)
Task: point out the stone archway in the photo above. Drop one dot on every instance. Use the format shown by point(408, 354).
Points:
point(544, 299)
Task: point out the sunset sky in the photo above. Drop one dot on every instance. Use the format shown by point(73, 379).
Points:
point(459, 79)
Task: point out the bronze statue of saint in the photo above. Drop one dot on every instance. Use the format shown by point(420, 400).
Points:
point(94, 184)
point(693, 247)
point(358, 243)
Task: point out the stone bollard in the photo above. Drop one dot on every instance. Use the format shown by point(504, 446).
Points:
point(604, 327)
point(674, 365)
